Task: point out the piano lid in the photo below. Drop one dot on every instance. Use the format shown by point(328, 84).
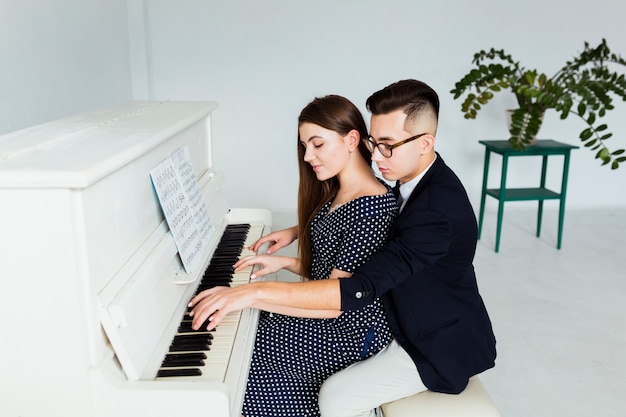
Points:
point(78, 151)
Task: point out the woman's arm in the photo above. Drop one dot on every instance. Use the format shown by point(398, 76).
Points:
point(269, 264)
point(278, 240)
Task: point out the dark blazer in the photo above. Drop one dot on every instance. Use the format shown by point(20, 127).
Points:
point(425, 276)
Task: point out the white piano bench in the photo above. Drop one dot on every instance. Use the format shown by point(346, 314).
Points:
point(474, 401)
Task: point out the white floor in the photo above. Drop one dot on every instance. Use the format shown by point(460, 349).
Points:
point(559, 315)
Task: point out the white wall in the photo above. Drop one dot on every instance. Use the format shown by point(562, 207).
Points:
point(61, 57)
point(264, 61)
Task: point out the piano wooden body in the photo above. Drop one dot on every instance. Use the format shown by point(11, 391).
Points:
point(92, 289)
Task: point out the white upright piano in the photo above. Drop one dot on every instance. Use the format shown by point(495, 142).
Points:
point(92, 288)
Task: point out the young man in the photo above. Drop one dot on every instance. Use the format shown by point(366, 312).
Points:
point(424, 273)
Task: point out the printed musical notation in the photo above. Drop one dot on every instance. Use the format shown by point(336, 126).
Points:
point(182, 204)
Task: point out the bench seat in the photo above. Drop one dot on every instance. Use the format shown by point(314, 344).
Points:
point(474, 401)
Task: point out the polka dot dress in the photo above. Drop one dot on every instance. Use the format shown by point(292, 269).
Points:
point(293, 356)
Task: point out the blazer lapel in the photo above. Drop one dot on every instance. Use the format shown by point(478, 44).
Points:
point(434, 170)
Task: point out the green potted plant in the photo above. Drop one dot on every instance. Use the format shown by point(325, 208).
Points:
point(583, 87)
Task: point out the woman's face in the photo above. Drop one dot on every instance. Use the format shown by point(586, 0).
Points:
point(325, 150)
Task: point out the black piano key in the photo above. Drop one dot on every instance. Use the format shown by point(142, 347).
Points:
point(190, 342)
point(219, 272)
point(191, 347)
point(185, 327)
point(202, 329)
point(192, 338)
point(224, 265)
point(189, 360)
point(212, 276)
point(214, 281)
point(165, 373)
point(210, 286)
point(182, 363)
point(188, 355)
point(223, 262)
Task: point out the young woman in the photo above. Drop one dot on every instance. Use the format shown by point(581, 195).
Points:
point(344, 213)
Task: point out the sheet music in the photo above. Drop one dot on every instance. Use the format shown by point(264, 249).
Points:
point(185, 211)
point(182, 162)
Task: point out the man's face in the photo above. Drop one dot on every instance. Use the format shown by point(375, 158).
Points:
point(404, 163)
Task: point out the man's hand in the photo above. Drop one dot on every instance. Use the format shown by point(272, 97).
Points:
point(211, 306)
point(215, 303)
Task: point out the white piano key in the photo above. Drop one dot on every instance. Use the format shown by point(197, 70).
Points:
point(219, 353)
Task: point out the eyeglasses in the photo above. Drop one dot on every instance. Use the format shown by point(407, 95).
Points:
point(386, 150)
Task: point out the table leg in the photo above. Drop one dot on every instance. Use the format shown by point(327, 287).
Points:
point(562, 199)
point(542, 184)
point(505, 163)
point(483, 193)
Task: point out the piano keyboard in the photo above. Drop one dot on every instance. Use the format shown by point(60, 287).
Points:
point(202, 354)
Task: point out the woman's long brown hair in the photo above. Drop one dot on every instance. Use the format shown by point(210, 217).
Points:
point(340, 115)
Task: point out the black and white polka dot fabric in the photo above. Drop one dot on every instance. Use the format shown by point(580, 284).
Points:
point(293, 356)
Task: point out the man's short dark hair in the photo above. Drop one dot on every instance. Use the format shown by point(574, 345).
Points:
point(411, 96)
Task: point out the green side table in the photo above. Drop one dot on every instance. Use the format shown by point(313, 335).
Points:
point(543, 148)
